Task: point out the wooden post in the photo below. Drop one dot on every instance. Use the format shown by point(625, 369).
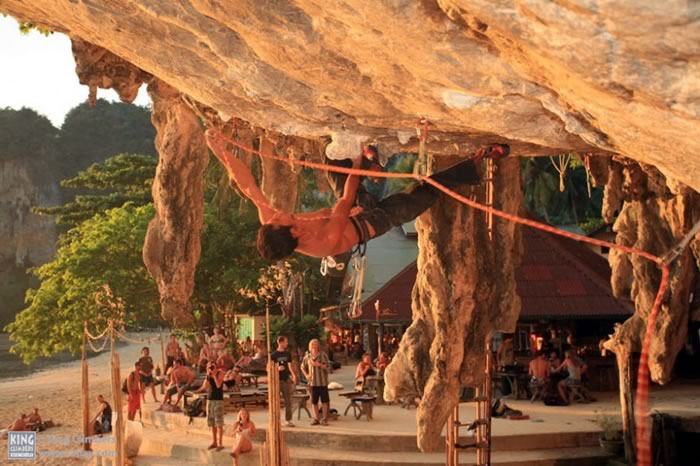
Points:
point(117, 401)
point(623, 356)
point(162, 364)
point(85, 391)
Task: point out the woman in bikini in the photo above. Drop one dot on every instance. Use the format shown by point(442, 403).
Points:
point(243, 435)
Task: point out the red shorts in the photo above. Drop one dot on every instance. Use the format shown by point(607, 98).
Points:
point(134, 401)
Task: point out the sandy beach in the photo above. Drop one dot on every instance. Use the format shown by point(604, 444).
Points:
point(56, 392)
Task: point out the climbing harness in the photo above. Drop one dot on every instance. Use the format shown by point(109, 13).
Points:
point(560, 167)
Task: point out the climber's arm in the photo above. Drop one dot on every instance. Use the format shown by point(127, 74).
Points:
point(241, 175)
point(340, 215)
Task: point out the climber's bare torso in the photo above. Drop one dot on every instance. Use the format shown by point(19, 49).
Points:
point(326, 232)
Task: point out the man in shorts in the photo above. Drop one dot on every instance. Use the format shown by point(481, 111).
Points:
point(146, 374)
point(315, 368)
point(182, 378)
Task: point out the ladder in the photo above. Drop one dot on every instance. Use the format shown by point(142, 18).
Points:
point(483, 399)
point(481, 424)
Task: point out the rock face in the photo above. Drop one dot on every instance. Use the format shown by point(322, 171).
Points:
point(597, 76)
point(464, 292)
point(654, 215)
point(28, 239)
point(172, 246)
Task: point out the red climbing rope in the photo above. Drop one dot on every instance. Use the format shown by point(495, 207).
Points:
point(642, 397)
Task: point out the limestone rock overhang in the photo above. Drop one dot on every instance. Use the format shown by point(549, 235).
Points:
point(547, 77)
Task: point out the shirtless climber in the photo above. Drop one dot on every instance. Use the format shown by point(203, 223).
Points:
point(330, 232)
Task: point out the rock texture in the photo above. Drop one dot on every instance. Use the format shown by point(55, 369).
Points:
point(653, 216)
point(464, 292)
point(598, 76)
point(172, 246)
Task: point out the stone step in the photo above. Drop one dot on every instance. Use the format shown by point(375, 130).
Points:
point(343, 435)
point(162, 447)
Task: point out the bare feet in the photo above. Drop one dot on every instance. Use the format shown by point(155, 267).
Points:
point(212, 446)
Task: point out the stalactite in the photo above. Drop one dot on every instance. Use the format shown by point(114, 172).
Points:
point(172, 247)
point(465, 291)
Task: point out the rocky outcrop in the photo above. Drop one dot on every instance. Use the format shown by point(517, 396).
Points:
point(464, 292)
point(598, 76)
point(172, 247)
point(654, 214)
point(28, 239)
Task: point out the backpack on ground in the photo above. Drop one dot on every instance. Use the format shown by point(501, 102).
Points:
point(195, 409)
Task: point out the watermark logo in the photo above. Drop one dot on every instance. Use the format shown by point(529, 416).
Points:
point(21, 445)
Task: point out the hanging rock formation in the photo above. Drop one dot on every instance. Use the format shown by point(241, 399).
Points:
point(464, 292)
point(597, 76)
point(172, 247)
point(654, 214)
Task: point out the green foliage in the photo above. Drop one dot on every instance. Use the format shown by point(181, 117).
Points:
point(542, 195)
point(98, 252)
point(299, 332)
point(92, 134)
point(26, 27)
point(125, 177)
point(228, 260)
point(27, 135)
point(591, 224)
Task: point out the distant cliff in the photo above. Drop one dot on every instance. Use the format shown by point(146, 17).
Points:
point(34, 158)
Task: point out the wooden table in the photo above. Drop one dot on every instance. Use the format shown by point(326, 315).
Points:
point(242, 399)
point(514, 380)
point(249, 379)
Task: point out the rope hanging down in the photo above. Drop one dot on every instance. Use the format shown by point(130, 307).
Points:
point(642, 397)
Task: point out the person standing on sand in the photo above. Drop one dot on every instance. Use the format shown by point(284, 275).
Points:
point(146, 374)
point(133, 389)
point(172, 352)
point(217, 343)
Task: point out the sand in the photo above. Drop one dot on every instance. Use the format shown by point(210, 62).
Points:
point(56, 392)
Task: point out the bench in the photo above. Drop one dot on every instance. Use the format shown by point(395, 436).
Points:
point(362, 406)
point(237, 399)
point(300, 401)
point(249, 379)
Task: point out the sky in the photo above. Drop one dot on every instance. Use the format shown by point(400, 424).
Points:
point(38, 72)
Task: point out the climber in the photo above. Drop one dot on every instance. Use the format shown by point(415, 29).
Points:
point(332, 232)
point(369, 161)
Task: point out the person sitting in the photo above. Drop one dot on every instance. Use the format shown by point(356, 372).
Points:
point(338, 230)
point(205, 355)
point(19, 424)
point(102, 422)
point(244, 361)
point(225, 361)
point(538, 369)
point(574, 368)
point(381, 363)
point(364, 369)
point(244, 430)
point(233, 379)
point(34, 421)
point(182, 379)
point(247, 345)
